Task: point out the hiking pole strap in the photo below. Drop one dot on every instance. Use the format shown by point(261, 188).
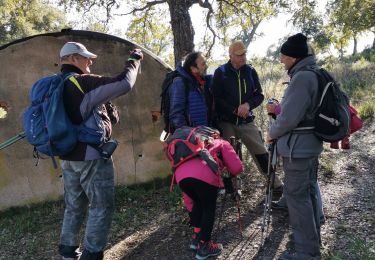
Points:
point(12, 140)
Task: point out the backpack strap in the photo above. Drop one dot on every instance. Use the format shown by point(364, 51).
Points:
point(187, 90)
point(249, 70)
point(307, 126)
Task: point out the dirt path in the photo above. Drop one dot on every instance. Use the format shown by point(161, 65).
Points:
point(347, 179)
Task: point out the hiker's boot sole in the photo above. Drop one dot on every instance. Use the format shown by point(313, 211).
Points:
point(197, 256)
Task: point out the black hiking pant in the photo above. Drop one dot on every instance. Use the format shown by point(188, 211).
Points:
point(204, 196)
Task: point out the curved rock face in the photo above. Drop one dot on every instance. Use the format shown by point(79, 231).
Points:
point(139, 156)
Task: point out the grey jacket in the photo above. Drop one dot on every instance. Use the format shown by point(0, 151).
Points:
point(298, 104)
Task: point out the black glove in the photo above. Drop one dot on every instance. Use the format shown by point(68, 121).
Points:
point(228, 185)
point(136, 54)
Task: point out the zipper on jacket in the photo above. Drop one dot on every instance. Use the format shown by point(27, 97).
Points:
point(239, 90)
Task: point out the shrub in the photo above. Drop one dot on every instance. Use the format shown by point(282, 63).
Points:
point(366, 110)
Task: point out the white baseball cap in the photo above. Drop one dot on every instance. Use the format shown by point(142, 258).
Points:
point(76, 48)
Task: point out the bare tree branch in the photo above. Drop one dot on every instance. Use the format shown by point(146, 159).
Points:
point(147, 6)
point(208, 6)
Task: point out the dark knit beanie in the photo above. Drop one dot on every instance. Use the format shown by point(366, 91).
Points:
point(295, 46)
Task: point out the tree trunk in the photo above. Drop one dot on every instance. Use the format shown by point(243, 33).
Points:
point(248, 37)
point(341, 52)
point(355, 45)
point(182, 27)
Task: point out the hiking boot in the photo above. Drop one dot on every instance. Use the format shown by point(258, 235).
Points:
point(87, 255)
point(69, 252)
point(208, 249)
point(298, 256)
point(194, 242)
point(76, 257)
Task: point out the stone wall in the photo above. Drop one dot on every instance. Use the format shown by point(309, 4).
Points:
point(139, 157)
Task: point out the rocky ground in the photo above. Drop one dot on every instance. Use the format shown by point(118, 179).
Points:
point(347, 179)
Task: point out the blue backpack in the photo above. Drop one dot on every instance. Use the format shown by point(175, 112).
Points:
point(48, 127)
point(46, 124)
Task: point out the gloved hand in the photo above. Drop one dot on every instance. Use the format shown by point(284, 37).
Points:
point(228, 185)
point(273, 107)
point(136, 54)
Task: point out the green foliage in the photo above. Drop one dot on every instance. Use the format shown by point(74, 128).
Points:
point(174, 199)
point(240, 19)
point(357, 78)
point(327, 168)
point(349, 18)
point(136, 203)
point(358, 249)
point(152, 31)
point(21, 18)
point(366, 110)
point(32, 232)
point(23, 220)
point(368, 54)
point(97, 27)
point(354, 15)
point(306, 17)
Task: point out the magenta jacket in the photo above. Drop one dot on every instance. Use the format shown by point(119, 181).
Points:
point(198, 169)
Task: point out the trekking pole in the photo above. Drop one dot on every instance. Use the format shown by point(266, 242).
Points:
point(228, 188)
point(221, 211)
point(12, 140)
point(272, 157)
point(237, 145)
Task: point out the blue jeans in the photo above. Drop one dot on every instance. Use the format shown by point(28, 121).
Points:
point(88, 186)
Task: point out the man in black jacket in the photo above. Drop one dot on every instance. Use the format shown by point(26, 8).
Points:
point(89, 178)
point(237, 92)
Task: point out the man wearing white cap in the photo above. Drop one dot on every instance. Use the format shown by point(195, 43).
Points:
point(237, 92)
point(88, 177)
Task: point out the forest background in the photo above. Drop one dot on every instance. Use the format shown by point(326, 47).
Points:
point(173, 28)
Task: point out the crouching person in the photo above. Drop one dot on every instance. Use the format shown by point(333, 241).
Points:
point(200, 185)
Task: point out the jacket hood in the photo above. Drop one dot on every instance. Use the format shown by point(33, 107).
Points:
point(186, 75)
point(309, 61)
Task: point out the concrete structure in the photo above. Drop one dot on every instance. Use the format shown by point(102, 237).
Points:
point(139, 157)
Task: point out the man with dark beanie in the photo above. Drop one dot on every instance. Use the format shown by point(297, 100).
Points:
point(299, 148)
